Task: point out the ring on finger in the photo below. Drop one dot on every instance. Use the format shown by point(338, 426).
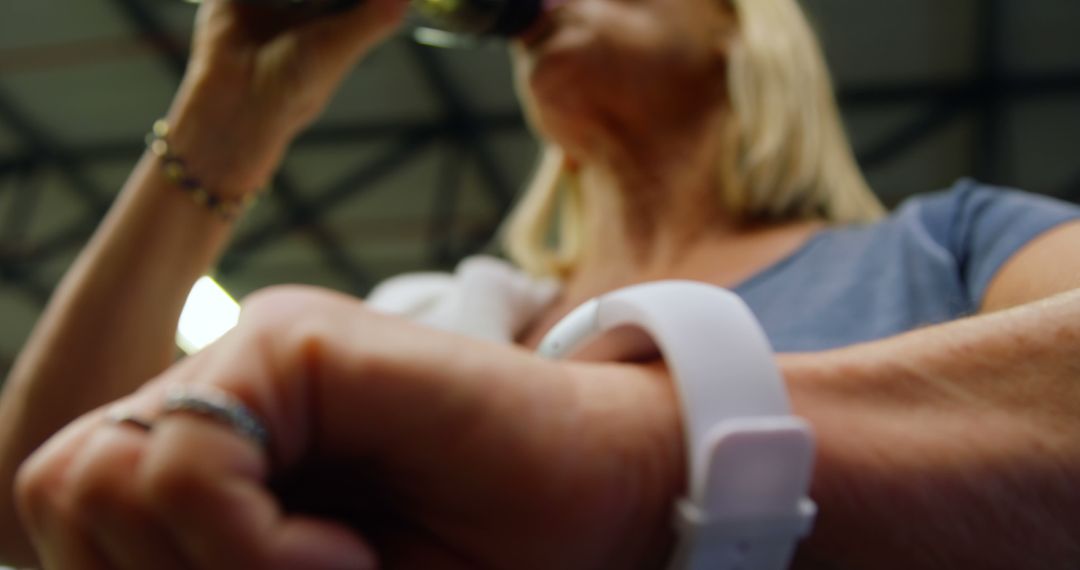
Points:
point(218, 405)
point(121, 417)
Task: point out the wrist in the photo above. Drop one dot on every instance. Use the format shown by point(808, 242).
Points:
point(630, 415)
point(662, 465)
point(232, 144)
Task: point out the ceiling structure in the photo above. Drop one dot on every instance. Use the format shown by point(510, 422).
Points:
point(424, 150)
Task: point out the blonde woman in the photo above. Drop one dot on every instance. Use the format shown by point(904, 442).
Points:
point(693, 139)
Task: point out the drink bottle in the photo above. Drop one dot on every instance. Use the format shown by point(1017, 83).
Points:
point(505, 18)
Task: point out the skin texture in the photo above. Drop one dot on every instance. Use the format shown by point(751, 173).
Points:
point(494, 459)
point(647, 162)
point(951, 446)
point(929, 457)
point(248, 78)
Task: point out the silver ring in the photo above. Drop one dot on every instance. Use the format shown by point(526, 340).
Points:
point(220, 406)
point(117, 416)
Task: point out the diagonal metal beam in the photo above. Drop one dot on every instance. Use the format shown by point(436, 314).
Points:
point(173, 55)
point(33, 287)
point(42, 146)
point(72, 236)
point(24, 201)
point(444, 209)
point(7, 361)
point(44, 149)
point(16, 163)
point(154, 32)
point(348, 186)
point(304, 216)
point(497, 183)
point(506, 120)
point(128, 148)
point(363, 178)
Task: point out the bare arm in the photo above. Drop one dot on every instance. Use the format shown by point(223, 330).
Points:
point(111, 323)
point(956, 446)
point(950, 447)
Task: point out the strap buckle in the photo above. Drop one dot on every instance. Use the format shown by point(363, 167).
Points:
point(748, 505)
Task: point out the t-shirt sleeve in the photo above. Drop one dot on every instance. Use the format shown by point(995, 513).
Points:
point(983, 227)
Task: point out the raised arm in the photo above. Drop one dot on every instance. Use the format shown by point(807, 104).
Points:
point(111, 323)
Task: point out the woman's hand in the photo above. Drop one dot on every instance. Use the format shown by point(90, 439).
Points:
point(281, 58)
point(390, 441)
point(258, 75)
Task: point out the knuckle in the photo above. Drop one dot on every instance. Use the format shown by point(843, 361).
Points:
point(102, 480)
point(38, 486)
point(67, 485)
point(169, 484)
point(284, 302)
point(292, 316)
point(275, 313)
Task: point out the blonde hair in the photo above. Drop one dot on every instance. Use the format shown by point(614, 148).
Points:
point(787, 156)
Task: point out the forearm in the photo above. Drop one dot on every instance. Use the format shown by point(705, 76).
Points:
point(952, 446)
point(111, 323)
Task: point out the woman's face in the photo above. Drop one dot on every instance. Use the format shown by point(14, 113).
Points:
point(623, 65)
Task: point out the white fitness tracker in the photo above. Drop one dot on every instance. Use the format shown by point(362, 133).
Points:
point(749, 459)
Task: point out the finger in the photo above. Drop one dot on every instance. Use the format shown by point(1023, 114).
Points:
point(65, 546)
point(205, 483)
point(208, 483)
point(45, 504)
point(123, 528)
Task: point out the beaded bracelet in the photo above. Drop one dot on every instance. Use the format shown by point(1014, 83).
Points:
point(228, 209)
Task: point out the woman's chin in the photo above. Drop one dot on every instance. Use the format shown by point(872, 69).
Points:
point(568, 117)
point(558, 88)
point(568, 58)
point(569, 77)
point(564, 38)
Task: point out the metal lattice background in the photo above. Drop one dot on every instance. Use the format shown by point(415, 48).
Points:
point(424, 150)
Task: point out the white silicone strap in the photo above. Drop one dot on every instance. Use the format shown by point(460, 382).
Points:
point(749, 460)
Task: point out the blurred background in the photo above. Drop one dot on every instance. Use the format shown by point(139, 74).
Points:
point(424, 149)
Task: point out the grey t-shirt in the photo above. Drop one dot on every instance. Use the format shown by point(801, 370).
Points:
point(929, 262)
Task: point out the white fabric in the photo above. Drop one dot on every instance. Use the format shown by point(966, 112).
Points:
point(485, 298)
point(757, 528)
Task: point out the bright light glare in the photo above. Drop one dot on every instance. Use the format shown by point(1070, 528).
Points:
point(438, 38)
point(209, 313)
